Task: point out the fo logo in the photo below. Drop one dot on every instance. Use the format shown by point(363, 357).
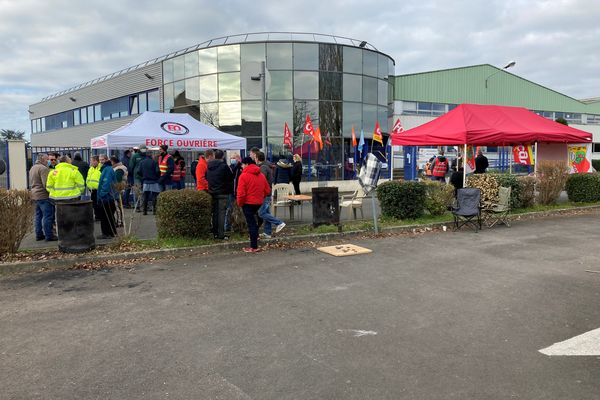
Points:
point(174, 128)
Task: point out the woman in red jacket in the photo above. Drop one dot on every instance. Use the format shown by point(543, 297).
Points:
point(251, 192)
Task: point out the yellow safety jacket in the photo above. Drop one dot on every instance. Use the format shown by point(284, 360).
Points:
point(65, 182)
point(93, 177)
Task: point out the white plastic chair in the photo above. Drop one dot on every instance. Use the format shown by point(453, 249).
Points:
point(280, 193)
point(354, 202)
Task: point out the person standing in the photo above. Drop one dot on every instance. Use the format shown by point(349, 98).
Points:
point(200, 171)
point(236, 169)
point(220, 186)
point(297, 173)
point(134, 181)
point(283, 171)
point(440, 167)
point(44, 209)
point(251, 191)
point(178, 176)
point(81, 165)
point(166, 166)
point(65, 181)
point(265, 211)
point(481, 163)
point(149, 174)
point(106, 200)
point(92, 181)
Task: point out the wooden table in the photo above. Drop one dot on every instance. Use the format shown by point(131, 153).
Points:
point(300, 198)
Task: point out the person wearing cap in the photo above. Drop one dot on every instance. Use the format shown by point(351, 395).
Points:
point(166, 165)
point(251, 192)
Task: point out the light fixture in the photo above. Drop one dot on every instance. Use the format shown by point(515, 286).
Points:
point(362, 44)
point(30, 112)
point(507, 66)
point(255, 78)
point(147, 75)
point(73, 99)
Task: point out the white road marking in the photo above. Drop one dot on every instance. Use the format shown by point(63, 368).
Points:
point(358, 332)
point(587, 344)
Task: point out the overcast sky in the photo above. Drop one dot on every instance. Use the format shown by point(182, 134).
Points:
point(50, 45)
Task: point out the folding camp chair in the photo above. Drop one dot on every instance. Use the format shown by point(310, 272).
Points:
point(498, 212)
point(468, 208)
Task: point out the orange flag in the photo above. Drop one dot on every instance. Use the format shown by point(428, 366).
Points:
point(308, 127)
point(317, 137)
point(287, 136)
point(354, 143)
point(377, 136)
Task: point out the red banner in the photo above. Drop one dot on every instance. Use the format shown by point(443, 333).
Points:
point(523, 154)
point(287, 136)
point(308, 127)
point(377, 136)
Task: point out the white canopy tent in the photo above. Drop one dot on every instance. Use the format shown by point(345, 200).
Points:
point(178, 131)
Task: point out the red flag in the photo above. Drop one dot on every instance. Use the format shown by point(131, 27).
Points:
point(354, 143)
point(397, 129)
point(377, 137)
point(317, 137)
point(308, 127)
point(287, 136)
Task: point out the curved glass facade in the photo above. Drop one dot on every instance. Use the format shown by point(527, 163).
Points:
point(339, 86)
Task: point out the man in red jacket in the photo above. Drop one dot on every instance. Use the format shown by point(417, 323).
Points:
point(251, 192)
point(201, 182)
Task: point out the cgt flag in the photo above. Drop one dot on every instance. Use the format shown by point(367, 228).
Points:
point(308, 127)
point(397, 129)
point(287, 136)
point(523, 154)
point(377, 136)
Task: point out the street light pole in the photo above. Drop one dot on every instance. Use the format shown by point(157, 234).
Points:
point(509, 65)
point(263, 94)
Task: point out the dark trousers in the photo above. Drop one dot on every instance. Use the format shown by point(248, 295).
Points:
point(97, 206)
point(296, 187)
point(107, 217)
point(250, 211)
point(150, 197)
point(219, 209)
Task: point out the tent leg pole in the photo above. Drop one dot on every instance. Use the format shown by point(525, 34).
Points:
point(391, 164)
point(535, 159)
point(465, 165)
point(374, 211)
point(510, 161)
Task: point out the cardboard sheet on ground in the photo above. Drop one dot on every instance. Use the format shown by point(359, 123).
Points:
point(342, 250)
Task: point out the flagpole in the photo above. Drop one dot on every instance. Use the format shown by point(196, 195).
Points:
point(391, 162)
point(510, 161)
point(309, 151)
point(464, 165)
point(535, 160)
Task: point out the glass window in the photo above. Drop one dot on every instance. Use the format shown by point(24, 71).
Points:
point(369, 63)
point(191, 64)
point(208, 89)
point(192, 90)
point(424, 108)
point(369, 119)
point(382, 92)
point(391, 67)
point(352, 88)
point(330, 114)
point(353, 60)
point(179, 94)
point(301, 109)
point(382, 117)
point(98, 112)
point(438, 109)
point(593, 119)
point(352, 116)
point(279, 112)
point(34, 126)
point(229, 87)
point(306, 85)
point(228, 58)
point(207, 61)
point(382, 66)
point(144, 101)
point(178, 68)
point(168, 70)
point(43, 124)
point(123, 106)
point(279, 56)
point(76, 117)
point(330, 86)
point(254, 52)
point(306, 56)
point(251, 89)
point(330, 57)
point(168, 96)
point(595, 147)
point(252, 118)
point(369, 90)
point(153, 101)
point(83, 113)
point(230, 116)
point(133, 105)
point(90, 114)
point(209, 114)
point(281, 86)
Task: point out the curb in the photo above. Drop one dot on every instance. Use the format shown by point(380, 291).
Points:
point(61, 264)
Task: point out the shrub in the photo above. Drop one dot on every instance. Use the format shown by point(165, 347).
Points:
point(596, 164)
point(488, 185)
point(527, 191)
point(183, 213)
point(16, 214)
point(402, 200)
point(438, 197)
point(511, 181)
point(552, 177)
point(583, 187)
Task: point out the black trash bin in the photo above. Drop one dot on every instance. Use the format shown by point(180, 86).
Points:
point(75, 226)
point(326, 206)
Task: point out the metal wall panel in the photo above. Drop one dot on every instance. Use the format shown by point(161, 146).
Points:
point(78, 136)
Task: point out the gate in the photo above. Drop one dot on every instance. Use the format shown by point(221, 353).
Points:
point(4, 179)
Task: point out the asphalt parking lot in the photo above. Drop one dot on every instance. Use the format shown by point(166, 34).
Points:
point(437, 316)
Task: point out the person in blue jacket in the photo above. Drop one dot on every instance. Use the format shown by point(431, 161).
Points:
point(106, 200)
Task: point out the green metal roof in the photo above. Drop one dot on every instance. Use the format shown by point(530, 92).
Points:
point(468, 85)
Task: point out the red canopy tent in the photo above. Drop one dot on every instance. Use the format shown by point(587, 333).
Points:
point(489, 125)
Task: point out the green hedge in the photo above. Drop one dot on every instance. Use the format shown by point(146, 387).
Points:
point(402, 200)
point(511, 181)
point(438, 197)
point(183, 213)
point(583, 187)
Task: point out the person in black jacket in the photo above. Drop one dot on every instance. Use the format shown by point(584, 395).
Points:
point(297, 173)
point(149, 174)
point(220, 186)
point(81, 165)
point(283, 172)
point(481, 163)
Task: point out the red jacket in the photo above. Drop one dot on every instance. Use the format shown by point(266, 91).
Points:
point(252, 186)
point(201, 182)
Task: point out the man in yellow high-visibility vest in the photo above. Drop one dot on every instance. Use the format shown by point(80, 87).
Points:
point(65, 182)
point(93, 178)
